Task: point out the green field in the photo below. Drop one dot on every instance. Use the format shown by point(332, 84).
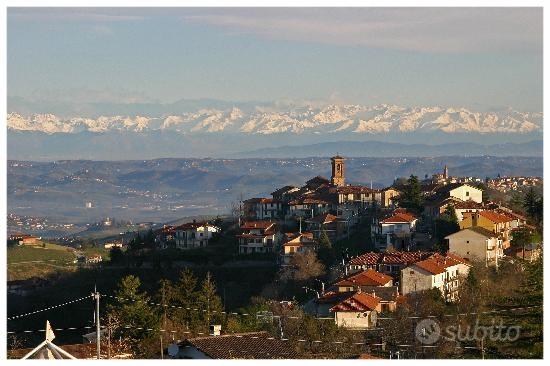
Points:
point(36, 261)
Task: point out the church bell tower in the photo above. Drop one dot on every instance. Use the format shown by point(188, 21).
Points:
point(337, 178)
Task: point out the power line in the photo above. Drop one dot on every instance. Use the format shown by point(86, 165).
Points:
point(299, 340)
point(322, 318)
point(49, 308)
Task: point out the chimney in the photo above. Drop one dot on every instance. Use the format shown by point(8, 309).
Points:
point(215, 329)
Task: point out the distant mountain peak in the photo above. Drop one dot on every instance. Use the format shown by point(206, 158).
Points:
point(329, 118)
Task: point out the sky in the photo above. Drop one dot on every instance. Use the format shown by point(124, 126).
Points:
point(473, 57)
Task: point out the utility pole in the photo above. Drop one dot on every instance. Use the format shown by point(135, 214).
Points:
point(97, 325)
point(163, 321)
point(109, 336)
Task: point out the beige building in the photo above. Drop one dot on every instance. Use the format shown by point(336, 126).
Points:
point(476, 243)
point(259, 237)
point(297, 243)
point(493, 221)
point(353, 310)
point(438, 271)
point(466, 192)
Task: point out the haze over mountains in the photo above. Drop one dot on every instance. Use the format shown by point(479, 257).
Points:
point(161, 190)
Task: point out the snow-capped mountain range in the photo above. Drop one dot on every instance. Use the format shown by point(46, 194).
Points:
point(330, 118)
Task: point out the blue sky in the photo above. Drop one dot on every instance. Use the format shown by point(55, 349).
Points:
point(478, 57)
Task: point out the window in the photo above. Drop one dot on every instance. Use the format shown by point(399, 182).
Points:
point(467, 194)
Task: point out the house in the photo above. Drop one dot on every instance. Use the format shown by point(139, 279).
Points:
point(443, 272)
point(194, 234)
point(111, 245)
point(334, 227)
point(259, 237)
point(463, 192)
point(262, 208)
point(462, 207)
point(435, 206)
point(369, 277)
point(476, 243)
point(24, 239)
point(491, 220)
point(389, 296)
point(309, 206)
point(353, 309)
point(297, 243)
point(390, 263)
point(388, 197)
point(284, 194)
point(93, 259)
point(317, 182)
point(442, 195)
point(394, 232)
point(165, 237)
point(253, 345)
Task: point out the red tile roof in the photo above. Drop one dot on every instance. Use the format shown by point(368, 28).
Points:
point(247, 225)
point(400, 217)
point(358, 301)
point(373, 258)
point(192, 225)
point(304, 239)
point(325, 218)
point(256, 345)
point(495, 217)
point(438, 263)
point(352, 189)
point(369, 277)
point(260, 200)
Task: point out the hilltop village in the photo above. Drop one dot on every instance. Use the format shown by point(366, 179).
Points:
point(412, 247)
point(346, 255)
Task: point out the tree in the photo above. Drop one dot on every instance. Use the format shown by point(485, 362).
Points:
point(209, 302)
point(325, 252)
point(521, 238)
point(411, 196)
point(303, 267)
point(533, 205)
point(184, 296)
point(116, 255)
point(445, 224)
point(133, 311)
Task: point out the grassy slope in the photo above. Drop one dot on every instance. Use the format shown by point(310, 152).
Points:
point(30, 261)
